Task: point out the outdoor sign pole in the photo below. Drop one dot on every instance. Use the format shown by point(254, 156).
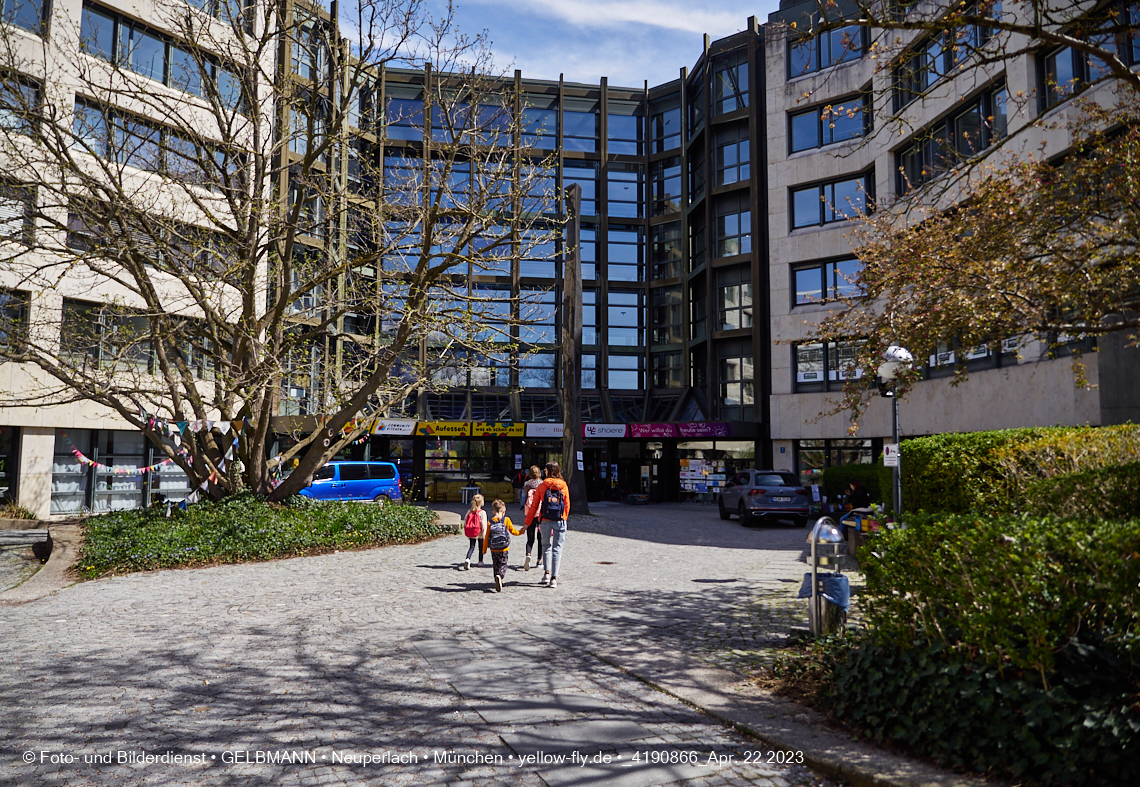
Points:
point(573, 468)
point(896, 471)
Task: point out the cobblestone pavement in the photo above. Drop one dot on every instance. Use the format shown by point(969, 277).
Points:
point(394, 653)
point(17, 564)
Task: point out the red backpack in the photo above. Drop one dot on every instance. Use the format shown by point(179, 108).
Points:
point(473, 527)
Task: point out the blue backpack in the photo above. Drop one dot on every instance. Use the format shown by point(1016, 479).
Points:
point(498, 536)
point(552, 505)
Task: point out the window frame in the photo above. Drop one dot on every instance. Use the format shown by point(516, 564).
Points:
point(866, 177)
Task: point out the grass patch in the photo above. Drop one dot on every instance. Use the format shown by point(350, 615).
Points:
point(243, 528)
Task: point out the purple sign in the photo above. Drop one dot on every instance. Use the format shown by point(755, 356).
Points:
point(704, 429)
point(652, 430)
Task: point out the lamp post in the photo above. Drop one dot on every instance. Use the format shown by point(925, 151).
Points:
point(894, 358)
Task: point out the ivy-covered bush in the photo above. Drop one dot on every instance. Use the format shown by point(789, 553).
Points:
point(243, 528)
point(1008, 644)
point(991, 472)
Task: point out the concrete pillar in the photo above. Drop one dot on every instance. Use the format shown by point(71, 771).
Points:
point(37, 449)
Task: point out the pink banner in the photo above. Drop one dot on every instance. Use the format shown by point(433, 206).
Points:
point(652, 430)
point(704, 429)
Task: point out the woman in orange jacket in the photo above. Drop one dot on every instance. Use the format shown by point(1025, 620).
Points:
point(550, 507)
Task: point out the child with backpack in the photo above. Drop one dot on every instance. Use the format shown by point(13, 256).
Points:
point(550, 507)
point(474, 527)
point(498, 541)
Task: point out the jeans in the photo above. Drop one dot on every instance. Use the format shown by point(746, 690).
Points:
point(555, 534)
point(475, 542)
point(531, 533)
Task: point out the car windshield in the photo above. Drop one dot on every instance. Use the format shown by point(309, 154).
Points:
point(775, 479)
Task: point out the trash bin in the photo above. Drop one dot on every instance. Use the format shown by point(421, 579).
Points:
point(829, 593)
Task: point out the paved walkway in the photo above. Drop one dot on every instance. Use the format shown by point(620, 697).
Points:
point(393, 657)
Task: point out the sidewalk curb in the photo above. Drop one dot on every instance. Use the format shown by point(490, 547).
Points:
point(53, 575)
point(784, 725)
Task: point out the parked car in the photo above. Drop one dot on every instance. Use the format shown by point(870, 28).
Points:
point(379, 481)
point(756, 495)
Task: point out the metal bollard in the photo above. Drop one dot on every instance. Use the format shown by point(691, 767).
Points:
point(824, 617)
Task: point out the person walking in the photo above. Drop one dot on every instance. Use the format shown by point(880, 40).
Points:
point(517, 482)
point(497, 540)
point(534, 478)
point(550, 506)
point(474, 527)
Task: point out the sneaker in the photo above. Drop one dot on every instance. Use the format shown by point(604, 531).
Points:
point(466, 565)
point(498, 584)
point(526, 565)
point(546, 579)
point(553, 583)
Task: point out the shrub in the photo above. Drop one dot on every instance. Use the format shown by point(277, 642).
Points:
point(242, 528)
point(1107, 492)
point(836, 481)
point(1004, 644)
point(991, 472)
point(15, 511)
point(1011, 590)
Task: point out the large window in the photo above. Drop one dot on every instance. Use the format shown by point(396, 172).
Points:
point(732, 159)
point(667, 314)
point(736, 373)
point(116, 39)
point(733, 226)
point(537, 255)
point(826, 281)
point(580, 128)
point(665, 250)
point(1065, 71)
point(665, 182)
point(815, 456)
point(949, 141)
point(19, 104)
point(404, 113)
point(28, 14)
point(13, 321)
point(929, 61)
point(537, 311)
point(625, 319)
point(16, 205)
point(105, 337)
point(812, 54)
point(585, 175)
point(588, 239)
point(730, 85)
point(625, 249)
point(665, 130)
point(734, 298)
point(623, 191)
point(825, 203)
point(623, 131)
point(824, 367)
point(698, 308)
point(537, 370)
point(838, 121)
point(539, 123)
point(626, 372)
point(589, 317)
point(666, 370)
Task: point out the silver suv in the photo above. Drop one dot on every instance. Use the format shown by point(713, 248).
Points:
point(756, 495)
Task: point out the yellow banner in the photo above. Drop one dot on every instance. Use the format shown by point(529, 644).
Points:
point(497, 429)
point(444, 428)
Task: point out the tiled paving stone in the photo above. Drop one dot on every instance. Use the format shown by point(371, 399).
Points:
point(394, 652)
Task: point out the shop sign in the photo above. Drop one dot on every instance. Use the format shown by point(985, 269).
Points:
point(497, 429)
point(393, 426)
point(652, 430)
point(704, 429)
point(603, 430)
point(544, 430)
point(444, 428)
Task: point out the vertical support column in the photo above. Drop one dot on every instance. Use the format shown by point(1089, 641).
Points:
point(37, 451)
point(572, 351)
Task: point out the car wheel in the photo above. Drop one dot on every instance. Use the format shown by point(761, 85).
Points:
point(382, 499)
point(740, 511)
point(723, 511)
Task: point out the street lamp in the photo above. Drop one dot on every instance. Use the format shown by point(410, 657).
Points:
point(894, 359)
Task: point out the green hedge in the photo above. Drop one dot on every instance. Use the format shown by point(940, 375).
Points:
point(991, 472)
point(1103, 493)
point(242, 528)
point(1003, 644)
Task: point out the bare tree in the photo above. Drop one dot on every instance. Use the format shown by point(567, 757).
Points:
point(989, 242)
point(210, 214)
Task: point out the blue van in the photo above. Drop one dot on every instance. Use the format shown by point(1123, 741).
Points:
point(379, 481)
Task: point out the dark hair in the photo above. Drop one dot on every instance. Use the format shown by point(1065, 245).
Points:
point(553, 470)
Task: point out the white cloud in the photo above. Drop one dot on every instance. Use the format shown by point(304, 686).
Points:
point(618, 13)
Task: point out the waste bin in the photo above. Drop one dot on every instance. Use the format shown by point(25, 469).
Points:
point(829, 593)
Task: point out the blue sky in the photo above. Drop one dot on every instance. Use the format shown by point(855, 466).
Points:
point(628, 41)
